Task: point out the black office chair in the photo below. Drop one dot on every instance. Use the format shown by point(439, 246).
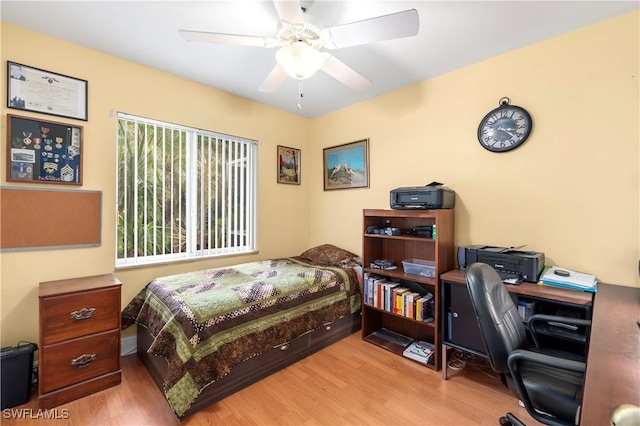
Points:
point(548, 382)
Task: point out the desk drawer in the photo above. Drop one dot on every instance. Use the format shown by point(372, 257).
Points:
point(79, 314)
point(78, 360)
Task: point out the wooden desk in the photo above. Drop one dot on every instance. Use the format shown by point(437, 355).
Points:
point(539, 291)
point(470, 341)
point(613, 363)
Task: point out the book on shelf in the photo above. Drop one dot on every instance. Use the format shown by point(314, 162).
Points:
point(420, 351)
point(424, 310)
point(371, 288)
point(387, 288)
point(398, 294)
point(378, 291)
point(374, 291)
point(409, 301)
point(420, 308)
point(391, 296)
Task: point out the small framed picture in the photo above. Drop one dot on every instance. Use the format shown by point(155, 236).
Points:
point(42, 151)
point(347, 166)
point(288, 165)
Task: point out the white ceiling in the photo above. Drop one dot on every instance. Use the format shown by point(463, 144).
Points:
point(452, 34)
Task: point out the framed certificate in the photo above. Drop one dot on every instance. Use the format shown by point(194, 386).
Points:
point(37, 90)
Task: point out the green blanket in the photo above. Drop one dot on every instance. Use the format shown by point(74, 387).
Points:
point(206, 322)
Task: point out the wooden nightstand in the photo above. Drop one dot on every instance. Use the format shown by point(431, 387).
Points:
point(79, 351)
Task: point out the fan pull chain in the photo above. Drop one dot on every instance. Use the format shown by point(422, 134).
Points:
point(300, 95)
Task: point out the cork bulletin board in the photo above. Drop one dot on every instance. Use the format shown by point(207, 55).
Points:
point(34, 218)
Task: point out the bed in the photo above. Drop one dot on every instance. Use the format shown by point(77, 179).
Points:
point(205, 334)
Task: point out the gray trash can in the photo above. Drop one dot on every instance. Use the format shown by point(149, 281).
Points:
point(17, 372)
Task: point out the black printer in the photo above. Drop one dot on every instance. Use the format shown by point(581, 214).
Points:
point(511, 264)
point(431, 196)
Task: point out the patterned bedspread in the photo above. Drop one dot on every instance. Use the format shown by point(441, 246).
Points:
point(206, 322)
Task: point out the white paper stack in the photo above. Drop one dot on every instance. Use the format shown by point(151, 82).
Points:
point(575, 280)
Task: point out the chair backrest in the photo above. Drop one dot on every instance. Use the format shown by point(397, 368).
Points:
point(498, 318)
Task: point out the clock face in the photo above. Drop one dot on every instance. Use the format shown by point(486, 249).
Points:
point(505, 128)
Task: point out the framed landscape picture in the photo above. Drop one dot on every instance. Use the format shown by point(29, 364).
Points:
point(288, 165)
point(347, 166)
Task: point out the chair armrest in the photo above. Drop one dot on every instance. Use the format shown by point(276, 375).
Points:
point(519, 356)
point(536, 323)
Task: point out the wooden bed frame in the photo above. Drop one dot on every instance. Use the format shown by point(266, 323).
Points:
point(255, 368)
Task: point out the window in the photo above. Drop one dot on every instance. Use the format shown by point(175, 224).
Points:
point(182, 193)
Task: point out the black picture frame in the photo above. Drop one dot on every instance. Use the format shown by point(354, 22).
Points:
point(43, 151)
point(37, 90)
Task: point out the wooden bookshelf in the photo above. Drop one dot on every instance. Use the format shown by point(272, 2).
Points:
point(399, 248)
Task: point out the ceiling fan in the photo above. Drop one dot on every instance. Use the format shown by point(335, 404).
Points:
point(300, 40)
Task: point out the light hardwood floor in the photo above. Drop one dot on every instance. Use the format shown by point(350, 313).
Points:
point(349, 383)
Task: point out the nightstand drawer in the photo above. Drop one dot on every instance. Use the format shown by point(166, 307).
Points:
point(80, 359)
point(79, 314)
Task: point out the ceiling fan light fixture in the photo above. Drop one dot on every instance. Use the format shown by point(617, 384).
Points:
point(300, 60)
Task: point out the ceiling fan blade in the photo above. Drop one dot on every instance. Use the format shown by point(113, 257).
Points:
point(386, 27)
point(243, 40)
point(344, 73)
point(274, 80)
point(289, 11)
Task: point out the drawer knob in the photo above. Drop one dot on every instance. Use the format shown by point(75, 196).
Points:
point(82, 314)
point(83, 360)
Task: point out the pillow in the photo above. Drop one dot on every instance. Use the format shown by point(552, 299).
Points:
point(330, 255)
point(358, 271)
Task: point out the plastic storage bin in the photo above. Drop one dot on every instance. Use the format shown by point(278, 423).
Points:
point(526, 309)
point(425, 268)
point(17, 371)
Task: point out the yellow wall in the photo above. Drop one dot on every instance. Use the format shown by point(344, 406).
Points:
point(118, 85)
point(571, 191)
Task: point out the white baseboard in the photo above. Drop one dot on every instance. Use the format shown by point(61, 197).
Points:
point(128, 346)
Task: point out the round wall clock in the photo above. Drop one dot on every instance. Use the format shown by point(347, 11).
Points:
point(504, 128)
